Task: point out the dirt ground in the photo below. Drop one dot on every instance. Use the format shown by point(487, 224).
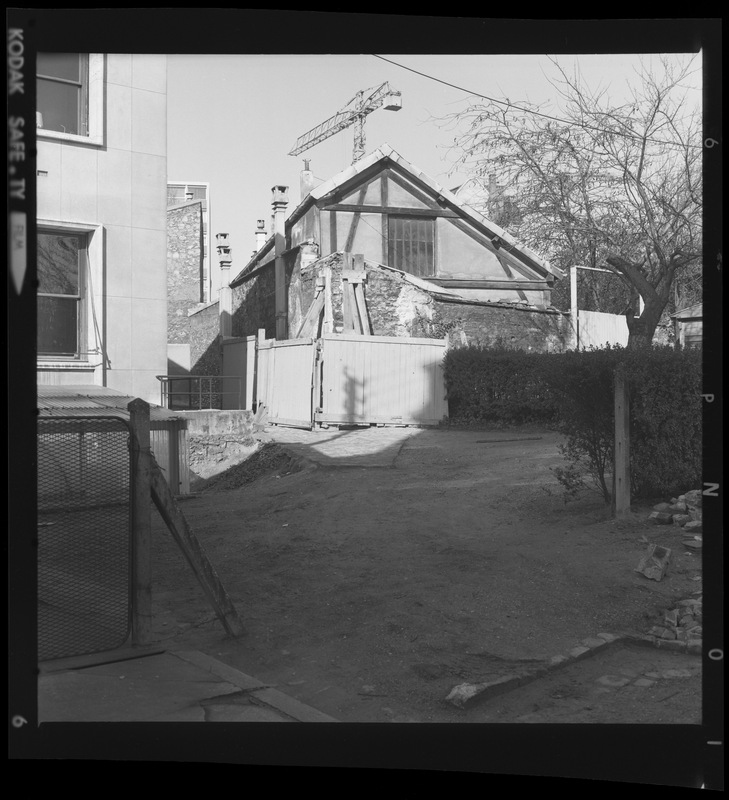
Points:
point(369, 593)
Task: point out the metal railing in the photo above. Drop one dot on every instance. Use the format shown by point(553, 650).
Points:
point(197, 392)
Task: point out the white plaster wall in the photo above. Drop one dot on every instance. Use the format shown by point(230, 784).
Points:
point(120, 185)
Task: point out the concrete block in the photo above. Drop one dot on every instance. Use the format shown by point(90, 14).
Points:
point(671, 617)
point(594, 642)
point(674, 644)
point(465, 694)
point(608, 637)
point(655, 562)
point(578, 652)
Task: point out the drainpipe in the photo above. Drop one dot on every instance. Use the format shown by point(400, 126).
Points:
point(280, 201)
point(225, 293)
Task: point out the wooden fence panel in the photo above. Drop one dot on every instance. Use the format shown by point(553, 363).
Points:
point(382, 379)
point(597, 329)
point(286, 379)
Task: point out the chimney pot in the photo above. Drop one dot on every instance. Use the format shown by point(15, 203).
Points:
point(280, 194)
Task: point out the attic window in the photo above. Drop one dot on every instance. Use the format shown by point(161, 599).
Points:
point(411, 245)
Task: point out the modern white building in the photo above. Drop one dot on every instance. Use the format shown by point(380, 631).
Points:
point(101, 207)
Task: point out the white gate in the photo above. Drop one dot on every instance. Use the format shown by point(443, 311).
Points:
point(381, 379)
point(284, 380)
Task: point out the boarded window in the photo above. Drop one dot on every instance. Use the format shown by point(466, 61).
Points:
point(411, 245)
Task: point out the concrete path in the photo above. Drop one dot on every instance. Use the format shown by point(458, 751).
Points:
point(356, 447)
point(160, 686)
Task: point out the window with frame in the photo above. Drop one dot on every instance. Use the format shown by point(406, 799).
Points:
point(411, 245)
point(61, 283)
point(62, 92)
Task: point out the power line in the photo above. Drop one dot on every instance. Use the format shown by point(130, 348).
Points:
point(529, 110)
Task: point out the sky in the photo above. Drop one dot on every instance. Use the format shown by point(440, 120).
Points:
point(232, 119)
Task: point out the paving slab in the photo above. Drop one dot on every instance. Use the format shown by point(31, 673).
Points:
point(357, 447)
point(175, 686)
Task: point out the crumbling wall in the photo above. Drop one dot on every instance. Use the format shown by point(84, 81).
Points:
point(491, 326)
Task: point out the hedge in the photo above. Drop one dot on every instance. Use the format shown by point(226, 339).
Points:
point(572, 392)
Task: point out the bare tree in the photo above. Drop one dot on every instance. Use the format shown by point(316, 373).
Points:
point(598, 184)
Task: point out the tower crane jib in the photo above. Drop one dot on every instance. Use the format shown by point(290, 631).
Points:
point(354, 113)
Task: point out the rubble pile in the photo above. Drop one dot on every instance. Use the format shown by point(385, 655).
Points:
point(684, 511)
point(681, 628)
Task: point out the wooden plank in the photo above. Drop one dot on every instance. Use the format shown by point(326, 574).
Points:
point(192, 550)
point(355, 220)
point(328, 324)
point(332, 231)
point(621, 479)
point(310, 323)
point(397, 340)
point(397, 210)
point(349, 307)
point(359, 297)
point(141, 522)
point(462, 283)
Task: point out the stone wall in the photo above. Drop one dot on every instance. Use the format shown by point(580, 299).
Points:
point(184, 267)
point(254, 303)
point(218, 439)
point(206, 353)
point(487, 326)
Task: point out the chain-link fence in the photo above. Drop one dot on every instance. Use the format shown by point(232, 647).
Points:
point(84, 535)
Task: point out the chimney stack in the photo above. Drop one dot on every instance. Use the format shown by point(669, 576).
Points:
point(188, 197)
point(260, 234)
point(225, 293)
point(280, 201)
point(306, 182)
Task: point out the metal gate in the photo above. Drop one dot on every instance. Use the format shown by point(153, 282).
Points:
point(284, 380)
point(84, 535)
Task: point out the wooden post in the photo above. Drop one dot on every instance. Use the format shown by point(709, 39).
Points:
point(192, 550)
point(141, 523)
point(573, 306)
point(621, 471)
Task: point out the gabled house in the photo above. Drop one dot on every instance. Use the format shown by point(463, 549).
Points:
point(433, 264)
